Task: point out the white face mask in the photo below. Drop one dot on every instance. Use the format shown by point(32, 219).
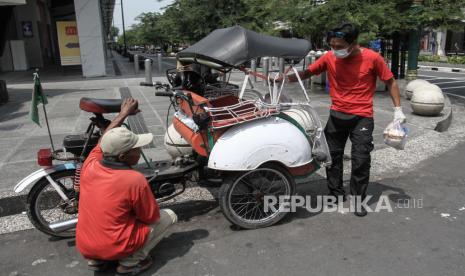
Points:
point(343, 53)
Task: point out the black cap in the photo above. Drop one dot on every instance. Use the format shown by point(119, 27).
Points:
point(348, 31)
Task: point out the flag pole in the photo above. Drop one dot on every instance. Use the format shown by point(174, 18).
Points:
point(36, 75)
point(48, 128)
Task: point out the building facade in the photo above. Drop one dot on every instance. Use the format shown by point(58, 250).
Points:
point(55, 33)
point(443, 42)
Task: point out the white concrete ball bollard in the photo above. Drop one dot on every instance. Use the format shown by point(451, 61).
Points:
point(319, 53)
point(427, 100)
point(411, 86)
point(312, 53)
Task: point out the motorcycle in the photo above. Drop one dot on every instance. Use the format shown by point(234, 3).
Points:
point(251, 146)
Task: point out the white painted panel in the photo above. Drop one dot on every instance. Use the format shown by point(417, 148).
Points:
point(18, 53)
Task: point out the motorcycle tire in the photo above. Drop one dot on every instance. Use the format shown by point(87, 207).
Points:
point(32, 203)
point(230, 189)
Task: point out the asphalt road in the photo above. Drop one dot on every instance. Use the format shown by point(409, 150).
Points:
point(419, 240)
point(453, 84)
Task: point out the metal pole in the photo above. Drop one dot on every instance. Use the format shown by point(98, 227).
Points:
point(136, 64)
point(48, 127)
point(414, 48)
point(148, 71)
point(253, 65)
point(308, 61)
point(266, 68)
point(160, 65)
point(124, 30)
point(281, 65)
point(395, 55)
point(402, 63)
point(414, 45)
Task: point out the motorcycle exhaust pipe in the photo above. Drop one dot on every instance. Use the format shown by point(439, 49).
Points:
point(64, 225)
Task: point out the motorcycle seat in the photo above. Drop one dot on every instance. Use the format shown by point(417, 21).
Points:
point(100, 106)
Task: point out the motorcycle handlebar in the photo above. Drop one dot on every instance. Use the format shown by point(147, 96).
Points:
point(168, 91)
point(164, 94)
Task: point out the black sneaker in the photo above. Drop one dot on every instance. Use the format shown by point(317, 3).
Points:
point(338, 197)
point(361, 213)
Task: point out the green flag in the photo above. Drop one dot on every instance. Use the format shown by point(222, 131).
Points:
point(37, 97)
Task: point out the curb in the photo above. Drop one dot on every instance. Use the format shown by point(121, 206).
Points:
point(442, 69)
point(445, 123)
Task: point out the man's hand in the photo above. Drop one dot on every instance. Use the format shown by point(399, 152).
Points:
point(399, 115)
point(129, 106)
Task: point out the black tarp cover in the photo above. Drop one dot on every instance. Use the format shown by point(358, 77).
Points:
point(235, 45)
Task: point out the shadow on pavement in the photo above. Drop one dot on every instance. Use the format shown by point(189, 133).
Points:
point(188, 209)
point(174, 246)
point(318, 188)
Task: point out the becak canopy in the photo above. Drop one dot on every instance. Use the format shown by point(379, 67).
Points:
point(233, 46)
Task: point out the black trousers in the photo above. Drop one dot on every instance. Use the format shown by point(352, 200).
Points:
point(339, 127)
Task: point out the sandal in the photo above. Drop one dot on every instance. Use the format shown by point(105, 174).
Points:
point(97, 265)
point(134, 270)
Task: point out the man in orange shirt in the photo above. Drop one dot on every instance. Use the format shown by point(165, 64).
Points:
point(119, 218)
point(352, 72)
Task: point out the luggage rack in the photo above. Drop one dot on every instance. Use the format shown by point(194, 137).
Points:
point(215, 90)
point(244, 111)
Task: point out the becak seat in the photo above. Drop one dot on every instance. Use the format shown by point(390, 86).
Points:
point(100, 106)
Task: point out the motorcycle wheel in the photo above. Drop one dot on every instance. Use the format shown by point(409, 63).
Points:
point(241, 197)
point(44, 206)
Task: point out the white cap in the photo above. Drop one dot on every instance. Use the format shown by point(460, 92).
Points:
point(119, 140)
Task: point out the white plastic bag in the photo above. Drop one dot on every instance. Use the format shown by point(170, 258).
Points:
point(395, 135)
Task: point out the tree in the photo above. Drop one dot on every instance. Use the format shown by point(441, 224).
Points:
point(187, 21)
point(114, 32)
point(132, 38)
point(376, 18)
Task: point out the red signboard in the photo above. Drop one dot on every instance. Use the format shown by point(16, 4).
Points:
point(71, 30)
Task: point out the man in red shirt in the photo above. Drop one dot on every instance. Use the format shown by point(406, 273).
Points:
point(352, 72)
point(119, 218)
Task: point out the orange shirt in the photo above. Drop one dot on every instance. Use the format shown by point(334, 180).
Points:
point(115, 206)
point(352, 80)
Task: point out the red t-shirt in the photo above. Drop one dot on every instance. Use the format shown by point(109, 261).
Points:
point(352, 80)
point(115, 208)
